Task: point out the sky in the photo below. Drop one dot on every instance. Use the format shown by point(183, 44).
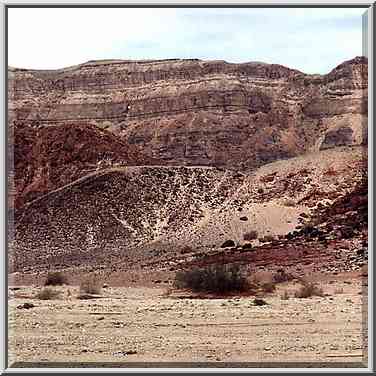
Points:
point(312, 40)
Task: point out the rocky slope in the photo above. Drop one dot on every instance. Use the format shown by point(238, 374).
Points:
point(50, 157)
point(197, 112)
point(122, 217)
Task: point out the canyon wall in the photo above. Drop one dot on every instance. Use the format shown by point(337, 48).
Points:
point(182, 112)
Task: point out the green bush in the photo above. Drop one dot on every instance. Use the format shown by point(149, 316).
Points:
point(213, 279)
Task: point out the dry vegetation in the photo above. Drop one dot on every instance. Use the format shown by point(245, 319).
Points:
point(47, 294)
point(55, 279)
point(218, 279)
point(90, 285)
point(309, 289)
point(251, 235)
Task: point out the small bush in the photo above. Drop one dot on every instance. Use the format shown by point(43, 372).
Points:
point(47, 294)
point(331, 171)
point(90, 285)
point(259, 302)
point(309, 289)
point(228, 243)
point(267, 178)
point(55, 279)
point(268, 287)
point(247, 247)
point(213, 279)
point(104, 125)
point(285, 296)
point(186, 249)
point(251, 235)
point(281, 276)
point(26, 306)
point(289, 202)
point(267, 239)
point(304, 171)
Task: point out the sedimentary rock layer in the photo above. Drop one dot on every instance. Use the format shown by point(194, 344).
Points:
point(193, 112)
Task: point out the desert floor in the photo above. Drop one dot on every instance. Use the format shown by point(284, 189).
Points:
point(145, 324)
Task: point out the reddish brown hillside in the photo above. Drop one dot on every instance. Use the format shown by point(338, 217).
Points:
point(47, 158)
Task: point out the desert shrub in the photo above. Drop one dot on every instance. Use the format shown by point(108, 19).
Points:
point(55, 279)
point(228, 243)
point(259, 302)
point(186, 249)
point(266, 239)
point(214, 279)
point(281, 276)
point(247, 247)
point(309, 289)
point(90, 285)
point(268, 287)
point(47, 294)
point(331, 171)
point(250, 235)
point(268, 178)
point(104, 125)
point(285, 296)
point(304, 171)
point(289, 202)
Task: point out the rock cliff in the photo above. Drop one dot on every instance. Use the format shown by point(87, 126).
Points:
point(194, 112)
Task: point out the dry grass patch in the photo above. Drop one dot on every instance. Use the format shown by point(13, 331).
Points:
point(90, 285)
point(308, 290)
point(282, 276)
point(47, 294)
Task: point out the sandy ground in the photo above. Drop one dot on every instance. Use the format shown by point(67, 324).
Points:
point(147, 325)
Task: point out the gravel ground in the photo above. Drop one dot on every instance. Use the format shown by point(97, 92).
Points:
point(147, 325)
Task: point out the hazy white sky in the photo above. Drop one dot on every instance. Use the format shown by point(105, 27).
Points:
point(312, 40)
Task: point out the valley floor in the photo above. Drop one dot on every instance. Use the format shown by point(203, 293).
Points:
point(128, 325)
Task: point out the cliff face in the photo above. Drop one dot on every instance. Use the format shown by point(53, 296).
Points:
point(181, 112)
